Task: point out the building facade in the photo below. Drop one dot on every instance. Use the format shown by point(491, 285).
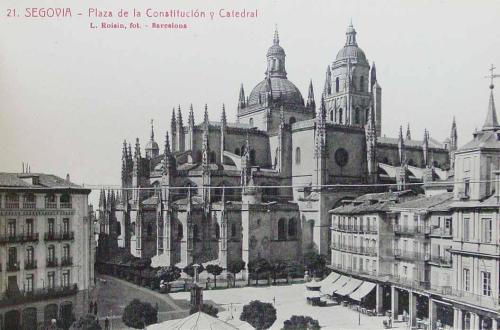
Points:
point(433, 258)
point(46, 250)
point(263, 186)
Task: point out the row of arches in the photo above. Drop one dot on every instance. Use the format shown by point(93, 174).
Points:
point(361, 84)
point(27, 318)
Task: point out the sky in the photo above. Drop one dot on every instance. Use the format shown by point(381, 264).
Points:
point(70, 95)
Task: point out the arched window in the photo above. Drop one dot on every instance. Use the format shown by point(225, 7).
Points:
point(195, 232)
point(340, 116)
point(252, 157)
point(292, 120)
point(361, 83)
point(356, 116)
point(281, 229)
point(297, 156)
point(337, 84)
point(237, 151)
point(292, 228)
point(180, 230)
point(213, 157)
point(250, 121)
point(217, 230)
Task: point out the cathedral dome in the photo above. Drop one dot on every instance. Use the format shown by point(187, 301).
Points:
point(351, 50)
point(280, 87)
point(275, 50)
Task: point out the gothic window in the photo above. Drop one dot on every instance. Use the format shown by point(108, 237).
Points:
point(361, 83)
point(356, 116)
point(251, 122)
point(292, 120)
point(217, 230)
point(281, 229)
point(213, 157)
point(195, 232)
point(180, 233)
point(297, 156)
point(292, 228)
point(233, 230)
point(337, 84)
point(340, 116)
point(252, 157)
point(237, 151)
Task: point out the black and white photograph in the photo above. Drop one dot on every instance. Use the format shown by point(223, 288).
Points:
point(249, 164)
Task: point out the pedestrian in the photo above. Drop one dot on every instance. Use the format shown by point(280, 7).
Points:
point(106, 323)
point(91, 307)
point(95, 308)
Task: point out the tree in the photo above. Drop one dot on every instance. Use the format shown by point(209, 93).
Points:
point(234, 267)
point(138, 314)
point(300, 322)
point(260, 315)
point(315, 263)
point(87, 322)
point(189, 269)
point(168, 273)
point(207, 309)
point(278, 267)
point(258, 266)
point(215, 270)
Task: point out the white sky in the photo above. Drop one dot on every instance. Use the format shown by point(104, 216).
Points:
point(69, 95)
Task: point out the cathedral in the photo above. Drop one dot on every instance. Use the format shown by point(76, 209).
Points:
point(264, 185)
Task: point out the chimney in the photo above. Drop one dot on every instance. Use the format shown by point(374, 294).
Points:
point(67, 177)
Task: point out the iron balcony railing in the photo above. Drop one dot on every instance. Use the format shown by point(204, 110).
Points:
point(19, 238)
point(11, 205)
point(65, 205)
point(26, 296)
point(13, 266)
point(442, 260)
point(50, 205)
point(29, 205)
point(411, 230)
point(30, 264)
point(52, 262)
point(410, 255)
point(443, 232)
point(59, 236)
point(66, 261)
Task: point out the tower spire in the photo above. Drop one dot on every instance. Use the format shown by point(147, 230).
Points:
point(310, 97)
point(152, 130)
point(408, 132)
point(223, 118)
point(327, 90)
point(276, 39)
point(491, 122)
point(241, 98)
point(191, 116)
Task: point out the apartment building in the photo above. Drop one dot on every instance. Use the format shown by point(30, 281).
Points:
point(46, 250)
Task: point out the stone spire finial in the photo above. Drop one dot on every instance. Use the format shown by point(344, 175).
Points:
point(327, 90)
point(241, 98)
point(167, 144)
point(152, 130)
point(179, 116)
point(191, 116)
point(276, 39)
point(223, 118)
point(173, 122)
point(453, 135)
point(310, 96)
point(408, 132)
point(137, 153)
point(351, 36)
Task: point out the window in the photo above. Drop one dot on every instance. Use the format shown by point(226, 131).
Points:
point(486, 230)
point(28, 284)
point(29, 255)
point(486, 283)
point(65, 278)
point(466, 187)
point(51, 253)
point(466, 279)
point(292, 120)
point(356, 116)
point(292, 228)
point(237, 151)
point(29, 227)
point(217, 230)
point(180, 234)
point(65, 226)
point(250, 122)
point(252, 157)
point(405, 271)
point(195, 232)
point(281, 229)
point(66, 251)
point(213, 157)
point(233, 229)
point(340, 116)
point(361, 83)
point(51, 226)
point(51, 280)
point(149, 230)
point(297, 156)
point(337, 84)
point(12, 228)
point(12, 257)
point(466, 229)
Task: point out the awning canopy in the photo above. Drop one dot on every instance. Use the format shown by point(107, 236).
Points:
point(327, 284)
point(337, 284)
point(362, 291)
point(313, 294)
point(352, 285)
point(313, 284)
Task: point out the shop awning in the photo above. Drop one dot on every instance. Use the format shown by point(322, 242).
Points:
point(362, 291)
point(352, 285)
point(313, 284)
point(337, 285)
point(327, 283)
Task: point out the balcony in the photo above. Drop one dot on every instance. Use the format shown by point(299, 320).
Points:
point(67, 261)
point(19, 238)
point(441, 260)
point(51, 262)
point(492, 301)
point(410, 255)
point(441, 232)
point(13, 266)
point(50, 205)
point(65, 205)
point(64, 236)
point(22, 297)
point(30, 264)
point(11, 205)
point(413, 284)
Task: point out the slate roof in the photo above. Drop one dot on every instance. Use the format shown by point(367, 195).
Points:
point(483, 140)
point(25, 180)
point(435, 201)
point(365, 207)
